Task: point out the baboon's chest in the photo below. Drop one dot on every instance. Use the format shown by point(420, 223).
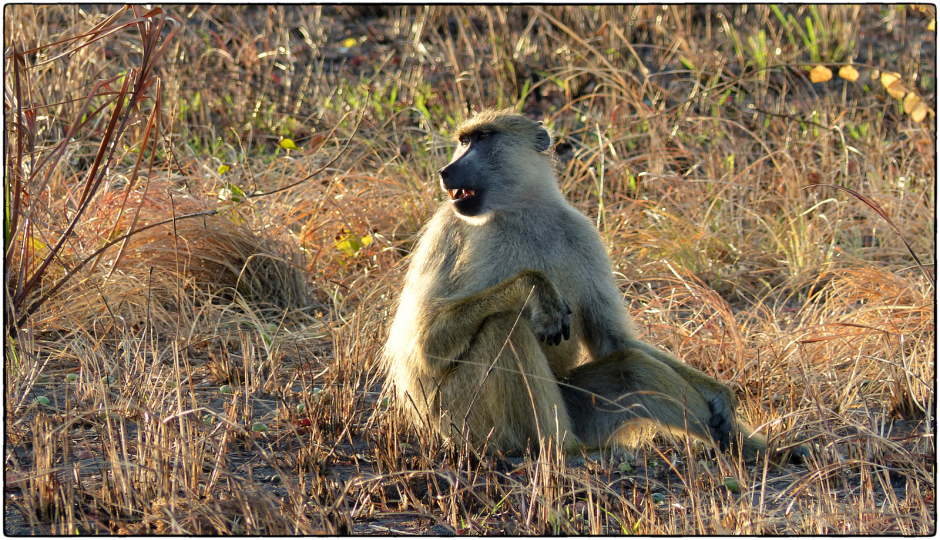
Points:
point(501, 253)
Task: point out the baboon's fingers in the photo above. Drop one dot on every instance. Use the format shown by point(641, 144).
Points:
point(552, 333)
point(550, 338)
point(721, 424)
point(566, 321)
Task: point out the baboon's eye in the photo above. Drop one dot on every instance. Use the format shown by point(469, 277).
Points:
point(463, 141)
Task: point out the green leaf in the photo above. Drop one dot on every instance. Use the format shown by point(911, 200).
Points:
point(419, 104)
point(732, 485)
point(237, 193)
point(811, 41)
point(349, 245)
point(724, 98)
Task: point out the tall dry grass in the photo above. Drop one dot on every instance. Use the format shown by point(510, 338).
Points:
point(194, 306)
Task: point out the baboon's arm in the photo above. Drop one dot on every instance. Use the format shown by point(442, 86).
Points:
point(453, 325)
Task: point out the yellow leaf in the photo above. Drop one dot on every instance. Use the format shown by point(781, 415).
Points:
point(910, 101)
point(888, 79)
point(223, 168)
point(848, 73)
point(897, 89)
point(38, 246)
point(919, 112)
point(933, 25)
point(366, 240)
point(349, 245)
point(288, 144)
point(349, 42)
point(820, 74)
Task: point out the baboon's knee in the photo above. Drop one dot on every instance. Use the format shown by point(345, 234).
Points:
point(505, 389)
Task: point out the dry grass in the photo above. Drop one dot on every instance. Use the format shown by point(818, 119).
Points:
point(213, 370)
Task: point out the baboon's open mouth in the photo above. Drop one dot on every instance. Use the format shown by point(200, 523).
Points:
point(466, 202)
point(460, 193)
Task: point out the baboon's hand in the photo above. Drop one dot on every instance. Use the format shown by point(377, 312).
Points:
point(552, 331)
point(722, 402)
point(721, 423)
point(548, 311)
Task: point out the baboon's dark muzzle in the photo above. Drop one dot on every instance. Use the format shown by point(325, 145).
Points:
point(463, 192)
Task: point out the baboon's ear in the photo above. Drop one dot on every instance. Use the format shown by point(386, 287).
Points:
point(543, 141)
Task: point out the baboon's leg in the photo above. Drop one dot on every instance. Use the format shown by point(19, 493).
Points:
point(631, 386)
point(725, 428)
point(518, 400)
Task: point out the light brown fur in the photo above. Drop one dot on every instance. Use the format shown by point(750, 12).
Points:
point(488, 278)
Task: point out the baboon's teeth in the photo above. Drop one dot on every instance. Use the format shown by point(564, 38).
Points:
point(460, 193)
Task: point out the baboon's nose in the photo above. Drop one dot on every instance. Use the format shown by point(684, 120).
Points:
point(443, 172)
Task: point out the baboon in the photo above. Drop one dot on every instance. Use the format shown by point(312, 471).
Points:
point(506, 284)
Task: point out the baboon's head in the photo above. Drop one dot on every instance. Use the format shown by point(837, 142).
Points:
point(501, 161)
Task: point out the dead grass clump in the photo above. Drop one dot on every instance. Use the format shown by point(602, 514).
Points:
point(888, 321)
point(166, 272)
point(234, 515)
point(221, 251)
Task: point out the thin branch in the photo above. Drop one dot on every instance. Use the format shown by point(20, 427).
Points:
point(321, 169)
point(69, 273)
point(884, 215)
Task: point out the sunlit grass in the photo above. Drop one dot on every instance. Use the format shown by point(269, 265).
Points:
point(261, 291)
